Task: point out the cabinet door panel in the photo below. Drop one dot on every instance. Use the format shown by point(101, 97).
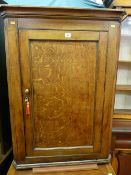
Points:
point(65, 74)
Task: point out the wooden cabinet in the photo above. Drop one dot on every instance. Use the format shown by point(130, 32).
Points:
point(61, 66)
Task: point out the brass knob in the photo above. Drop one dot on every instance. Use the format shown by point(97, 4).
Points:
point(26, 91)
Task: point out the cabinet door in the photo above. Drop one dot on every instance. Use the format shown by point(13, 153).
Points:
point(64, 72)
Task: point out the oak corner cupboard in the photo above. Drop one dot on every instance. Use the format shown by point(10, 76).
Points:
point(61, 68)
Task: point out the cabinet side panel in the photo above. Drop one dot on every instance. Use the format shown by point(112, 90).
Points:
point(14, 88)
point(112, 56)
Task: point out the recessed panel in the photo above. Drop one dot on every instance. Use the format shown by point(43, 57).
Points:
point(63, 87)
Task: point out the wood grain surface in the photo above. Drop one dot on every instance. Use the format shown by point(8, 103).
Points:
point(66, 78)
